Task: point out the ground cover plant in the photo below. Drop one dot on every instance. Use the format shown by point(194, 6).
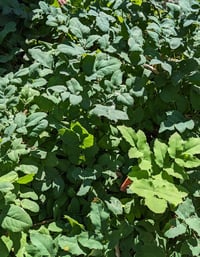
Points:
point(92, 93)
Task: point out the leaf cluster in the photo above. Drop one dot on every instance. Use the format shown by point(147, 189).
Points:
point(91, 93)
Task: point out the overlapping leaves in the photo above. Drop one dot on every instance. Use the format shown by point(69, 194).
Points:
point(86, 75)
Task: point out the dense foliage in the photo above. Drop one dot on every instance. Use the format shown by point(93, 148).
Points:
point(91, 93)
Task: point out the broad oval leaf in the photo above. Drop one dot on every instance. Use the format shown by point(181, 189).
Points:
point(15, 219)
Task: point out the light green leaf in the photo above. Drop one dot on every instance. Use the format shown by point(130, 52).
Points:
point(44, 58)
point(30, 205)
point(15, 219)
point(114, 205)
point(188, 162)
point(175, 42)
point(128, 134)
point(175, 231)
point(175, 145)
point(6, 187)
point(105, 66)
point(160, 150)
point(38, 83)
point(89, 242)
point(27, 169)
point(185, 209)
point(5, 247)
point(102, 22)
point(43, 243)
point(192, 146)
point(176, 171)
point(70, 244)
point(25, 179)
point(109, 112)
point(145, 164)
point(20, 119)
point(77, 28)
point(194, 224)
point(98, 215)
point(155, 204)
point(73, 50)
point(73, 222)
point(74, 86)
point(134, 153)
point(9, 177)
point(126, 99)
point(34, 118)
point(86, 138)
point(75, 99)
point(157, 188)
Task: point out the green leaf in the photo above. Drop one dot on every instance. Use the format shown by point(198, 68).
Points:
point(9, 177)
point(152, 249)
point(20, 119)
point(185, 209)
point(70, 244)
point(175, 145)
point(73, 50)
point(102, 22)
point(75, 99)
point(155, 204)
point(43, 243)
point(125, 99)
point(176, 231)
point(194, 224)
point(44, 58)
point(160, 150)
point(5, 246)
point(98, 216)
point(25, 179)
point(109, 112)
point(89, 242)
point(28, 169)
point(188, 162)
point(134, 153)
point(74, 222)
point(128, 134)
point(105, 66)
point(192, 146)
point(86, 138)
point(77, 28)
point(152, 189)
point(74, 86)
point(6, 187)
point(15, 219)
point(114, 205)
point(143, 146)
point(176, 171)
point(8, 28)
point(176, 121)
point(175, 42)
point(34, 118)
point(30, 205)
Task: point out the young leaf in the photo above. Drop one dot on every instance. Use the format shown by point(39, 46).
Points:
point(128, 134)
point(160, 150)
point(175, 145)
